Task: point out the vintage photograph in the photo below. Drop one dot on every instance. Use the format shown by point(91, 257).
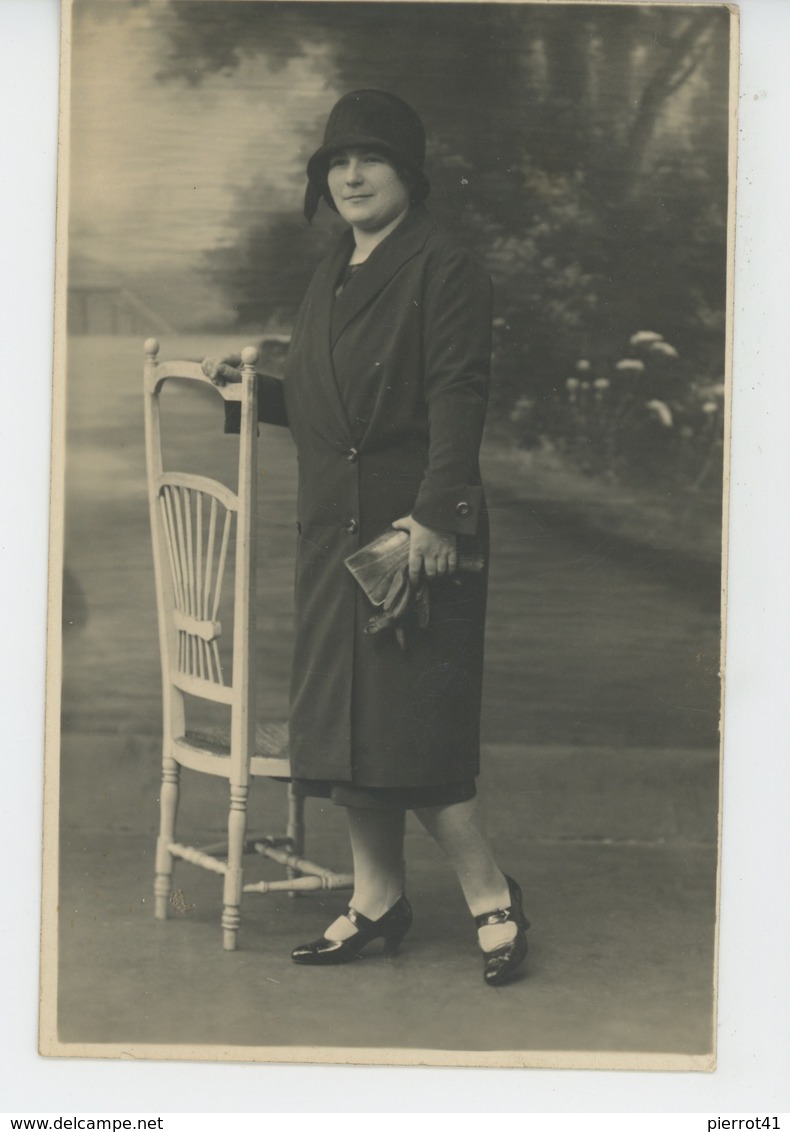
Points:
point(390, 447)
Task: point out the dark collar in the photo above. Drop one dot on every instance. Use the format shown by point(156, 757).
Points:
point(384, 261)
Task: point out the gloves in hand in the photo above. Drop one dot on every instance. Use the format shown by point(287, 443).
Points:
point(382, 570)
point(401, 599)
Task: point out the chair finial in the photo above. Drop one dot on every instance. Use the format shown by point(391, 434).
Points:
point(249, 355)
point(151, 347)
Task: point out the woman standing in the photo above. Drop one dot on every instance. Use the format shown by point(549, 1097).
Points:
point(385, 394)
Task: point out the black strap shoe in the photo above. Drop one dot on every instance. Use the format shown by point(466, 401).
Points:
point(391, 928)
point(500, 964)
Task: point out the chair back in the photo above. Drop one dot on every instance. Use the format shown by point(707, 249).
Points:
point(199, 525)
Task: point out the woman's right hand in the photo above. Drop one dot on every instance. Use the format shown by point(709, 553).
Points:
point(222, 371)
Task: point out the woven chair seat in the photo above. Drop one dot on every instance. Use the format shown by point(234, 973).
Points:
point(271, 740)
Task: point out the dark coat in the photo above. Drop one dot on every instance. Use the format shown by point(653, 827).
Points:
point(385, 394)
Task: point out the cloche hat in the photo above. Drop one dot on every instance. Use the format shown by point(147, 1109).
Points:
point(375, 119)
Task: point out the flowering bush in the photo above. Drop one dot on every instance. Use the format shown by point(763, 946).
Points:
point(642, 419)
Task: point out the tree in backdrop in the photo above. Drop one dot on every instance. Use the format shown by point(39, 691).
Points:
point(582, 150)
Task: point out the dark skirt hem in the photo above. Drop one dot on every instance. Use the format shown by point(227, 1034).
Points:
point(385, 797)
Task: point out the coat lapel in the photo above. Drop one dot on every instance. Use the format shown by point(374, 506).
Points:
point(319, 316)
point(401, 245)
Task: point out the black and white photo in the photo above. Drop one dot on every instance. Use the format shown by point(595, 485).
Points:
point(480, 259)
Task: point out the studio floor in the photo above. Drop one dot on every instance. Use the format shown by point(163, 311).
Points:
point(621, 947)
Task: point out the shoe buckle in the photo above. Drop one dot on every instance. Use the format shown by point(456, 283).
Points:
point(500, 916)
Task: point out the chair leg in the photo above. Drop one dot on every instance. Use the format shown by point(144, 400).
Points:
point(237, 829)
point(295, 831)
point(295, 827)
point(167, 828)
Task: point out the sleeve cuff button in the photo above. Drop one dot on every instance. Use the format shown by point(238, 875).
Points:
point(462, 508)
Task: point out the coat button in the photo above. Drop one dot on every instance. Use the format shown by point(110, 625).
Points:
point(462, 508)
point(352, 455)
point(352, 526)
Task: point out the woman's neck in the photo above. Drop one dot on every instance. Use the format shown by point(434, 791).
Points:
point(365, 242)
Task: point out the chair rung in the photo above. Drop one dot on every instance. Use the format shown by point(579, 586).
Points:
point(197, 857)
point(212, 488)
point(290, 860)
point(202, 689)
point(302, 884)
point(206, 762)
point(220, 848)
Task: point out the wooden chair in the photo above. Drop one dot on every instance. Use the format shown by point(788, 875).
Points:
point(198, 524)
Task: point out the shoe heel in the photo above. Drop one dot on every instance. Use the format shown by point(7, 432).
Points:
point(398, 929)
point(516, 904)
point(389, 928)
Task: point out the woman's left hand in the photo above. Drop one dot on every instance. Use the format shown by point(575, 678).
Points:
point(433, 551)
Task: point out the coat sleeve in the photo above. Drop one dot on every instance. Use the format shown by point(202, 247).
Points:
point(457, 352)
point(271, 405)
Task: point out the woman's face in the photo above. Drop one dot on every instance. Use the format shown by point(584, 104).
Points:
point(367, 191)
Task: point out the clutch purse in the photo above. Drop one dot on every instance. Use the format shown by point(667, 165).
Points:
point(381, 568)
